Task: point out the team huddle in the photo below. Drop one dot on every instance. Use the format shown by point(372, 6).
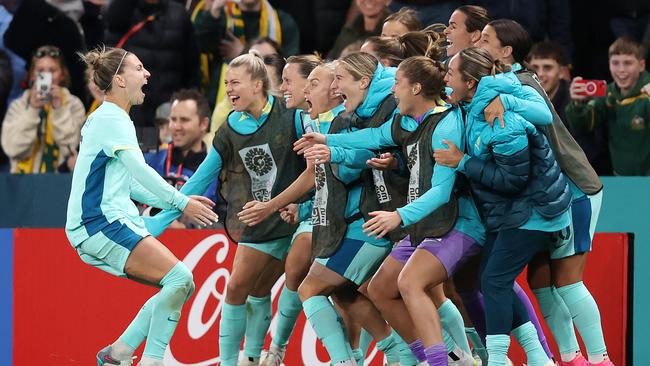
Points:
point(400, 189)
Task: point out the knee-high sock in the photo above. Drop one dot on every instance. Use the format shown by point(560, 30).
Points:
point(452, 321)
point(527, 337)
point(417, 348)
point(406, 357)
point(473, 301)
point(135, 333)
point(177, 285)
point(558, 318)
point(258, 320)
point(477, 344)
point(521, 294)
point(586, 317)
point(448, 341)
point(328, 327)
point(436, 355)
point(289, 307)
point(497, 346)
point(231, 332)
point(364, 341)
point(390, 346)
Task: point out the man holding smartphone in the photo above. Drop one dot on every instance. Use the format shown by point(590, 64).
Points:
point(625, 108)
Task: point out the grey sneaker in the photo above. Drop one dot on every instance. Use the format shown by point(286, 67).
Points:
point(104, 358)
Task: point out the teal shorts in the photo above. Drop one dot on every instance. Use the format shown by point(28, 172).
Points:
point(304, 227)
point(356, 260)
point(576, 239)
point(277, 248)
point(106, 254)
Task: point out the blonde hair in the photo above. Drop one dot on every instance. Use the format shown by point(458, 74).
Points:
point(253, 63)
point(359, 64)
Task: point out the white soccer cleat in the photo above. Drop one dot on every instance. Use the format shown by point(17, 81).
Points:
point(249, 361)
point(274, 357)
point(460, 359)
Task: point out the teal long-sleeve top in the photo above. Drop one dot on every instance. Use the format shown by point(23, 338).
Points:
point(442, 182)
point(483, 140)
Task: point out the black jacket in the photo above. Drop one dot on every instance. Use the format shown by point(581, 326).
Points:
point(166, 46)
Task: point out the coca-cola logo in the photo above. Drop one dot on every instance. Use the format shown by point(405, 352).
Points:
point(195, 342)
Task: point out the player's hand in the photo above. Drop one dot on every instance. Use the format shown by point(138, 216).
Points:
point(255, 212)
point(319, 153)
point(493, 111)
point(448, 157)
point(646, 89)
point(199, 211)
point(308, 140)
point(385, 161)
point(290, 214)
point(382, 223)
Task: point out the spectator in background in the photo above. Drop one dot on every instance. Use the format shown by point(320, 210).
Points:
point(36, 23)
point(223, 29)
point(162, 124)
point(397, 24)
point(428, 11)
point(6, 78)
point(266, 46)
point(188, 123)
point(368, 23)
point(161, 34)
point(17, 64)
point(547, 59)
point(274, 66)
point(40, 132)
point(625, 110)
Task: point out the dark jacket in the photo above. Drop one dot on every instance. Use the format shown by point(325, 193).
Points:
point(166, 47)
point(512, 170)
point(354, 32)
point(37, 23)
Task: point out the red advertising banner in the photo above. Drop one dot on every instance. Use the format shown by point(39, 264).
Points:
point(65, 310)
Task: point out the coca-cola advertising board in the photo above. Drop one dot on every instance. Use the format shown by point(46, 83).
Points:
point(56, 310)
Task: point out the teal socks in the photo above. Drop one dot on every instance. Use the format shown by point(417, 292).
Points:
point(406, 357)
point(586, 316)
point(177, 286)
point(558, 318)
point(364, 341)
point(477, 344)
point(137, 331)
point(497, 347)
point(289, 307)
point(453, 323)
point(358, 356)
point(328, 327)
point(526, 335)
point(258, 320)
point(450, 345)
point(390, 347)
point(231, 332)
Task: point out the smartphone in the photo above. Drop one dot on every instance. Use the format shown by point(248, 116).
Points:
point(44, 84)
point(593, 88)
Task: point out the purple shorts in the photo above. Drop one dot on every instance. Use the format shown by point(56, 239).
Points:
point(451, 249)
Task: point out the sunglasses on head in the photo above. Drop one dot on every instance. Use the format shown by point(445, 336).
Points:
point(51, 52)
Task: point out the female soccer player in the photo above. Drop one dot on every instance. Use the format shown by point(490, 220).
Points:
point(556, 279)
point(519, 190)
point(253, 158)
point(103, 223)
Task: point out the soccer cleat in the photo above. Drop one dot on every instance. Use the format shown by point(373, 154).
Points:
point(462, 359)
point(607, 362)
point(274, 357)
point(249, 361)
point(579, 360)
point(104, 358)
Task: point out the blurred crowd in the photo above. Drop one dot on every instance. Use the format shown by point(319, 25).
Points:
point(45, 95)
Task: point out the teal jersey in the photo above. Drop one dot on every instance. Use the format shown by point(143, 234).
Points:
point(102, 187)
